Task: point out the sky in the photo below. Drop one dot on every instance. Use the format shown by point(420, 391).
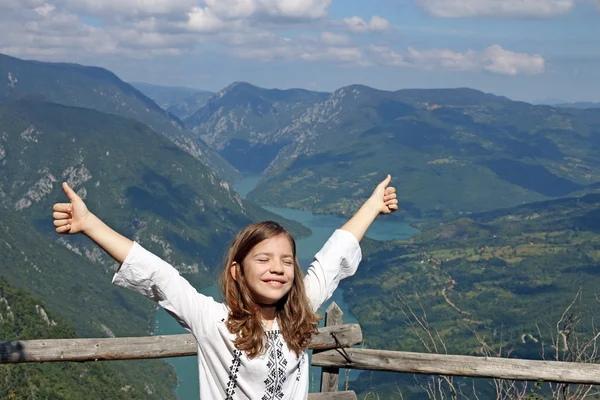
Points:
point(528, 50)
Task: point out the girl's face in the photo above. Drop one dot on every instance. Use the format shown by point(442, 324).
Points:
point(269, 269)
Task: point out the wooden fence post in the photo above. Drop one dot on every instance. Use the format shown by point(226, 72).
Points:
point(330, 376)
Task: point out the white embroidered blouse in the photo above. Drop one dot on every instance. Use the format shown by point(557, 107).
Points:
point(225, 372)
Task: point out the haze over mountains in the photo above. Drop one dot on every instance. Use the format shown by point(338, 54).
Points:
point(579, 104)
point(179, 101)
point(567, 104)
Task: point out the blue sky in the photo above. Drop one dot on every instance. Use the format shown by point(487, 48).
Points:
point(524, 49)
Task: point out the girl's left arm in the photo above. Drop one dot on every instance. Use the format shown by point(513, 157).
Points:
point(340, 256)
point(382, 201)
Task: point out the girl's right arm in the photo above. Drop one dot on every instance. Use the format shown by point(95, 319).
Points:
point(140, 270)
point(74, 217)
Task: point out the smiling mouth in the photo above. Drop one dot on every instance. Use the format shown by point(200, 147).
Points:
point(276, 284)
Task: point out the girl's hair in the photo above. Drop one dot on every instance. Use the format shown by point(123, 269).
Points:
point(296, 319)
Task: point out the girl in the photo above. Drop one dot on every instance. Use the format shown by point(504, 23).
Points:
point(253, 346)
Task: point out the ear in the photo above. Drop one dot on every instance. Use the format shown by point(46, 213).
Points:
point(233, 270)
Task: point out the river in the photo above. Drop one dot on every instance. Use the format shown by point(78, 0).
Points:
point(322, 227)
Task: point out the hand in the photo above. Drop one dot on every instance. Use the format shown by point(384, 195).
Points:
point(72, 217)
point(384, 197)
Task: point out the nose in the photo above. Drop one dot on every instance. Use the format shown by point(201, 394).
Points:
point(276, 267)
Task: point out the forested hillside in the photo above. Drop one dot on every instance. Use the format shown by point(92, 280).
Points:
point(25, 317)
point(496, 282)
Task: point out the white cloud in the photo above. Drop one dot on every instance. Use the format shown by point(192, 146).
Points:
point(379, 24)
point(240, 28)
point(496, 8)
point(334, 39)
point(493, 59)
point(383, 55)
point(295, 9)
point(20, 4)
point(45, 9)
point(232, 9)
point(218, 14)
point(226, 9)
point(357, 24)
point(139, 8)
point(204, 20)
point(143, 28)
point(346, 55)
point(326, 47)
point(51, 33)
point(506, 62)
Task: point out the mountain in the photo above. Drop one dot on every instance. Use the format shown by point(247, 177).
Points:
point(69, 281)
point(25, 317)
point(179, 101)
point(249, 125)
point(49, 291)
point(99, 89)
point(567, 104)
point(506, 276)
point(579, 104)
point(549, 101)
point(139, 182)
point(451, 151)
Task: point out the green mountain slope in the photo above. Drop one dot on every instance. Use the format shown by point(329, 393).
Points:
point(248, 125)
point(179, 101)
point(99, 89)
point(137, 181)
point(23, 317)
point(70, 283)
point(450, 151)
point(507, 275)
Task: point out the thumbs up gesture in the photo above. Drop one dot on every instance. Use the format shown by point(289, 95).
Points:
point(71, 217)
point(384, 197)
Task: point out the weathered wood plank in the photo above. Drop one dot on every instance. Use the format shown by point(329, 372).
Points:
point(330, 376)
point(347, 335)
point(441, 364)
point(98, 349)
point(140, 347)
point(348, 395)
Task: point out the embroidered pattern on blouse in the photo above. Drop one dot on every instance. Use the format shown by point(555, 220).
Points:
point(276, 364)
point(233, 370)
point(300, 365)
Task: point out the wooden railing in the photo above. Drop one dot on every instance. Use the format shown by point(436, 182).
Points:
point(332, 350)
point(133, 348)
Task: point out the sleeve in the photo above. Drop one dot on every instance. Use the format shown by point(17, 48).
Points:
point(149, 275)
point(338, 259)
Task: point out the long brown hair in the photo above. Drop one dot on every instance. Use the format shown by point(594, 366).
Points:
point(297, 321)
